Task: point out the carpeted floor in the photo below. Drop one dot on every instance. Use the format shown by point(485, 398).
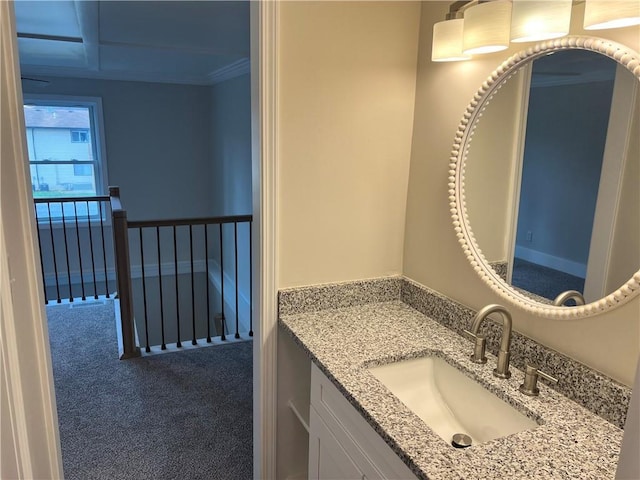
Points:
point(184, 415)
point(543, 281)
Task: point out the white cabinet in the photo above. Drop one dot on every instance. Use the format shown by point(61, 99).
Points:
point(342, 445)
point(327, 458)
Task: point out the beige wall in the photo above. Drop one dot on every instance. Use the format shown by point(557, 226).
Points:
point(347, 73)
point(432, 255)
point(489, 185)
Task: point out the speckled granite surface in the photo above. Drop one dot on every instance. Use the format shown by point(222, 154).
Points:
point(570, 443)
point(336, 295)
point(591, 389)
point(594, 391)
point(500, 268)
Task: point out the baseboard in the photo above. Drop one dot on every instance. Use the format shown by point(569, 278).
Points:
point(230, 286)
point(550, 261)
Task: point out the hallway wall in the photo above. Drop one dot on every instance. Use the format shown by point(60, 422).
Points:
point(157, 143)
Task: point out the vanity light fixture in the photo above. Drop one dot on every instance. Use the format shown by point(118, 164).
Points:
point(487, 27)
point(601, 14)
point(447, 41)
point(447, 36)
point(538, 20)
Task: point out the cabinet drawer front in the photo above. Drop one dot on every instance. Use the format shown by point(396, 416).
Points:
point(349, 427)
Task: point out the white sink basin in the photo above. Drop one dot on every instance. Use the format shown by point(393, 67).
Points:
point(449, 401)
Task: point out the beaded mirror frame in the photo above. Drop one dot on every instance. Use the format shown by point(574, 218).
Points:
point(619, 53)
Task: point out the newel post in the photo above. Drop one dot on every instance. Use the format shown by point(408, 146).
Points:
point(128, 348)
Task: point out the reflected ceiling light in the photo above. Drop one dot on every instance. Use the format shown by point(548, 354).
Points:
point(447, 41)
point(486, 27)
point(601, 14)
point(537, 20)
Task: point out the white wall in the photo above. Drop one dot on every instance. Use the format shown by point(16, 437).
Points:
point(157, 143)
point(230, 144)
point(433, 257)
point(346, 86)
point(231, 180)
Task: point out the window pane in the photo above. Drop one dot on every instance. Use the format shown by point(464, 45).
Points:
point(58, 133)
point(50, 180)
point(85, 212)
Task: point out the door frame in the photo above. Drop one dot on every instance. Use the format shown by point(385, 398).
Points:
point(35, 448)
point(264, 134)
point(619, 132)
point(28, 414)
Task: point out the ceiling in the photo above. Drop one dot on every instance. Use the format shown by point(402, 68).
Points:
point(570, 67)
point(199, 43)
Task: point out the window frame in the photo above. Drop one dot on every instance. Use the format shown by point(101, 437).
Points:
point(99, 146)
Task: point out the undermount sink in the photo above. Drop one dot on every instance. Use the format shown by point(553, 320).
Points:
point(449, 401)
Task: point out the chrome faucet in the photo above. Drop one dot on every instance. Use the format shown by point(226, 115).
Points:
point(502, 369)
point(569, 295)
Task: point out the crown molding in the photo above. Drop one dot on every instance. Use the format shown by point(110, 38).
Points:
point(235, 69)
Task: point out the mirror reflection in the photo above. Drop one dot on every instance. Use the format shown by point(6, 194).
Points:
point(552, 175)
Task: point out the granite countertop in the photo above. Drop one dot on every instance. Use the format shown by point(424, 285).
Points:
point(570, 443)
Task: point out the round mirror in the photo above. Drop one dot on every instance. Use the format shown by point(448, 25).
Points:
point(545, 169)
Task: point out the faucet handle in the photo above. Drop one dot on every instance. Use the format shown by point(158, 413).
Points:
point(530, 385)
point(479, 347)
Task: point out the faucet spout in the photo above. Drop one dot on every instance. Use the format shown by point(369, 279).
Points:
point(574, 295)
point(502, 368)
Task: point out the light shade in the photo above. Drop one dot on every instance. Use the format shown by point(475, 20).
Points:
point(537, 20)
point(486, 27)
point(447, 41)
point(601, 14)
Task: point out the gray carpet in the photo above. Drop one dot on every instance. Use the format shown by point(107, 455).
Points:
point(178, 415)
point(543, 281)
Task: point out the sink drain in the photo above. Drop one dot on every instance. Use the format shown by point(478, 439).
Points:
point(461, 440)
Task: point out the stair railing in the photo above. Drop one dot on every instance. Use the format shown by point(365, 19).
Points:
point(76, 256)
point(187, 266)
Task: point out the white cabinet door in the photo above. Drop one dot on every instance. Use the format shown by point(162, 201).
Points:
point(363, 453)
point(327, 458)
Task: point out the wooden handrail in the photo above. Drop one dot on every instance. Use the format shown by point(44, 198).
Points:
point(93, 198)
point(190, 221)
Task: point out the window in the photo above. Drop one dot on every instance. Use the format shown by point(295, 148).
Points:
point(83, 170)
point(80, 136)
point(65, 147)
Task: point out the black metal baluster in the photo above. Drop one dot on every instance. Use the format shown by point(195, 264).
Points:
point(193, 295)
point(222, 335)
point(235, 242)
point(53, 249)
point(206, 269)
point(93, 261)
point(44, 283)
point(144, 293)
point(164, 345)
point(175, 263)
point(250, 278)
point(104, 251)
point(66, 252)
point(75, 212)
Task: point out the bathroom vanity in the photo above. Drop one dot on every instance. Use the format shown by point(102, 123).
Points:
point(358, 429)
